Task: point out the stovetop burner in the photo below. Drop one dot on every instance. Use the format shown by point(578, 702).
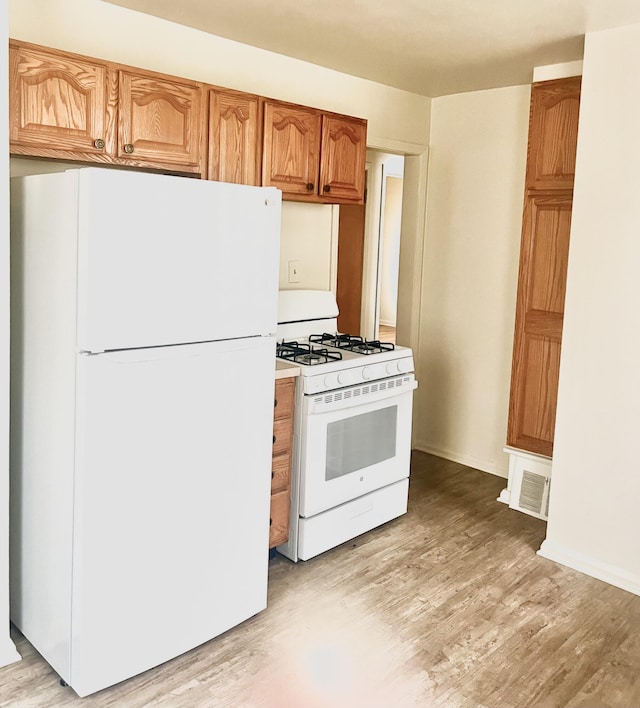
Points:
point(301, 353)
point(353, 343)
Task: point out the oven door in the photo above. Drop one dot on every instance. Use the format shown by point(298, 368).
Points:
point(354, 441)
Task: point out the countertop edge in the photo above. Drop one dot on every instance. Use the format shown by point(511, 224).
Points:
point(284, 370)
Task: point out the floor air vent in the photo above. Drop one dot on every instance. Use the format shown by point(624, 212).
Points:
point(531, 494)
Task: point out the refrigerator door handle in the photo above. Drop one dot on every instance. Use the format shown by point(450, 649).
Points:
point(181, 351)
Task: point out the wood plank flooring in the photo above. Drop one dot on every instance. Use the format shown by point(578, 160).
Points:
point(387, 334)
point(448, 606)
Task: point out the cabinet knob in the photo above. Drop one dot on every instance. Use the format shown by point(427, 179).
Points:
point(310, 186)
point(128, 148)
point(98, 143)
point(326, 188)
point(274, 438)
point(273, 474)
point(275, 402)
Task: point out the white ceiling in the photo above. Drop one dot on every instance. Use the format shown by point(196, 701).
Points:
point(430, 47)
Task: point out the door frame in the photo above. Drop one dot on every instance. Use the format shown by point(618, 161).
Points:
point(414, 203)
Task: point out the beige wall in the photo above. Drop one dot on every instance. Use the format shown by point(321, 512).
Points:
point(594, 524)
point(309, 237)
point(474, 216)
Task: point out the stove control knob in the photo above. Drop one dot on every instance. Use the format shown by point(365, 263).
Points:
point(331, 380)
point(366, 373)
point(392, 367)
point(405, 365)
point(343, 378)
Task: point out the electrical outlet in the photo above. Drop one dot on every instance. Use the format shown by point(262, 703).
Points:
point(294, 271)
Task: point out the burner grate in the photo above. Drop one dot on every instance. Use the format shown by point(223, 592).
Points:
point(353, 343)
point(305, 354)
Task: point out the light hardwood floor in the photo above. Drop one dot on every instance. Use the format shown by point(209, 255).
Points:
point(447, 606)
point(387, 334)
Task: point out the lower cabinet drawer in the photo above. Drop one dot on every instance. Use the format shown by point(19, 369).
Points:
point(282, 432)
point(280, 473)
point(279, 519)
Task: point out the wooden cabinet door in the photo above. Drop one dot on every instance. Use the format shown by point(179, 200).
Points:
point(160, 121)
point(291, 148)
point(57, 103)
point(553, 134)
point(342, 163)
point(539, 316)
point(544, 254)
point(234, 132)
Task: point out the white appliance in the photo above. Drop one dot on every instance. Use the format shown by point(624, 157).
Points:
point(352, 439)
point(144, 313)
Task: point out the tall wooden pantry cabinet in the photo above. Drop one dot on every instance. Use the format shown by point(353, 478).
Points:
point(544, 250)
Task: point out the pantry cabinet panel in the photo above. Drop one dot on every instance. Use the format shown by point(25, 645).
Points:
point(234, 133)
point(160, 121)
point(553, 134)
point(549, 223)
point(535, 400)
point(57, 103)
point(535, 370)
point(343, 153)
point(291, 148)
point(544, 255)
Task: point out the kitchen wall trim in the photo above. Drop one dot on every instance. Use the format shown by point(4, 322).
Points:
point(586, 564)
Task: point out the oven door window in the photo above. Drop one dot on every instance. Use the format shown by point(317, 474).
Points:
point(361, 441)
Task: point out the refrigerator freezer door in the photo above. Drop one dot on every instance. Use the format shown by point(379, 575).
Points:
point(171, 511)
point(164, 260)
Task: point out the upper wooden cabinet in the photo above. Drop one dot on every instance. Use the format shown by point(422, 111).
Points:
point(291, 148)
point(74, 108)
point(313, 156)
point(234, 137)
point(343, 153)
point(553, 134)
point(57, 104)
point(160, 120)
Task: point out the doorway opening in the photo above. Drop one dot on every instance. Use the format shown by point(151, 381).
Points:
point(382, 245)
point(369, 252)
point(389, 250)
point(358, 278)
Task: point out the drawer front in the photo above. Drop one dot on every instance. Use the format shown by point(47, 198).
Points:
point(280, 473)
point(282, 434)
point(283, 399)
point(279, 519)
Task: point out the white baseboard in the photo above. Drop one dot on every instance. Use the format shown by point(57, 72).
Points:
point(8, 652)
point(468, 460)
point(589, 566)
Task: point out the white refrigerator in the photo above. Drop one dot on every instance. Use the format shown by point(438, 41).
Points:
point(143, 353)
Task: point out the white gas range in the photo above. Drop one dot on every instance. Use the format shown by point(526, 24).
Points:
point(352, 439)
